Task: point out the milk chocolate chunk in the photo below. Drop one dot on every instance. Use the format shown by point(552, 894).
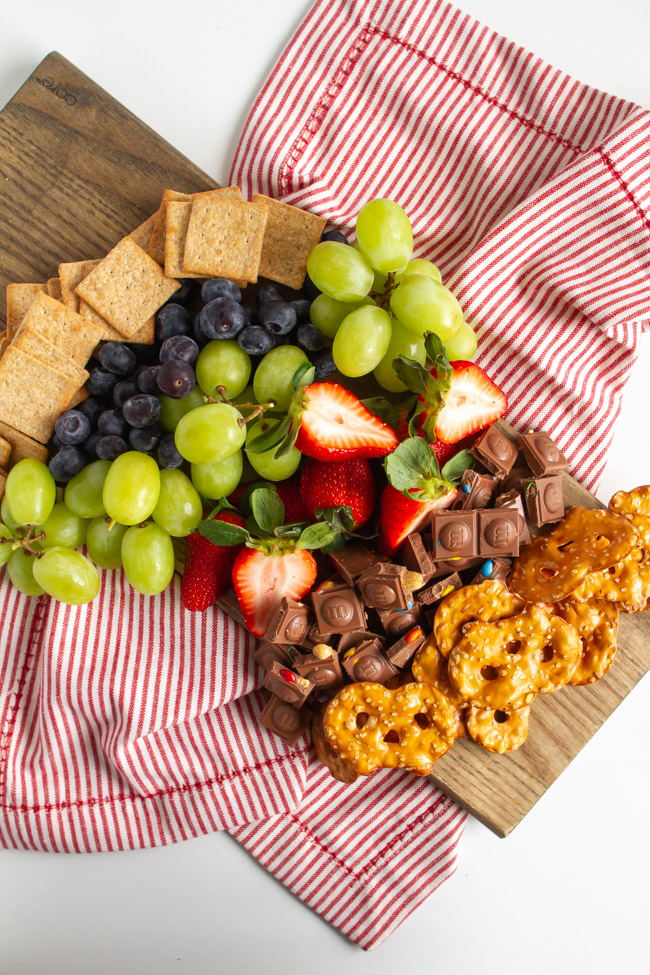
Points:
point(284, 720)
point(496, 568)
point(439, 590)
point(454, 534)
point(287, 685)
point(402, 652)
point(446, 566)
point(269, 653)
point(498, 532)
point(516, 479)
point(396, 622)
point(290, 623)
point(351, 561)
point(382, 587)
point(338, 609)
point(413, 554)
point(475, 491)
point(544, 500)
point(321, 672)
point(542, 454)
point(355, 638)
point(494, 451)
point(314, 636)
point(513, 502)
point(368, 662)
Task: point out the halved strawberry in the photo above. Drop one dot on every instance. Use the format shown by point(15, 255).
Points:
point(472, 402)
point(262, 579)
point(399, 516)
point(330, 484)
point(335, 425)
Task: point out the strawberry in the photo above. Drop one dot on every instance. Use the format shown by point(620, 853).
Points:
point(208, 568)
point(262, 578)
point(403, 424)
point(399, 516)
point(472, 402)
point(445, 451)
point(290, 496)
point(347, 482)
point(335, 425)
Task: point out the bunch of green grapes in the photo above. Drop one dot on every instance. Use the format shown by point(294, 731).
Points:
point(378, 301)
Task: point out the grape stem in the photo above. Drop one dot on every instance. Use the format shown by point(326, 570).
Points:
point(256, 409)
point(23, 541)
point(382, 298)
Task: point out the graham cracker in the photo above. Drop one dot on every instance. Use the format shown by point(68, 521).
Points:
point(34, 344)
point(19, 298)
point(21, 445)
point(142, 233)
point(32, 396)
point(71, 275)
point(63, 327)
point(54, 288)
point(177, 221)
point(144, 335)
point(289, 236)
point(5, 452)
point(4, 342)
point(224, 238)
point(127, 288)
point(77, 398)
point(156, 247)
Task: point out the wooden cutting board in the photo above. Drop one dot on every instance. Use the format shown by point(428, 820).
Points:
point(77, 171)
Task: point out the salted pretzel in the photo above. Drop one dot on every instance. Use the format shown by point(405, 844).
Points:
point(372, 727)
point(552, 566)
point(596, 621)
point(628, 582)
point(634, 502)
point(339, 768)
point(505, 665)
point(498, 731)
point(486, 601)
point(430, 667)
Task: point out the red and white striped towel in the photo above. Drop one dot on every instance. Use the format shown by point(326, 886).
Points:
point(130, 723)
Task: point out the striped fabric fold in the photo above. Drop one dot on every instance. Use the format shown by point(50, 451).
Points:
point(130, 723)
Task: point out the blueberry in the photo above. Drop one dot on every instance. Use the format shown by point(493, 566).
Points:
point(54, 444)
point(89, 446)
point(171, 320)
point(100, 383)
point(269, 292)
point(147, 355)
point(309, 289)
point(219, 288)
point(91, 408)
point(185, 293)
point(145, 438)
point(301, 307)
point(117, 357)
point(111, 422)
point(334, 235)
point(123, 391)
point(252, 318)
point(255, 340)
point(179, 347)
point(108, 448)
point(310, 338)
point(323, 363)
point(73, 427)
point(222, 318)
point(147, 379)
point(278, 317)
point(168, 455)
point(141, 410)
point(176, 378)
point(66, 463)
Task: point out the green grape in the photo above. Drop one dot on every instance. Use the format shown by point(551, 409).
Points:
point(362, 340)
point(266, 465)
point(384, 235)
point(5, 514)
point(5, 550)
point(67, 576)
point(64, 528)
point(104, 543)
point(419, 266)
point(83, 494)
point(171, 410)
point(339, 271)
point(402, 342)
point(327, 313)
point(148, 558)
point(218, 480)
point(223, 363)
point(210, 433)
point(462, 344)
point(131, 488)
point(21, 571)
point(423, 305)
point(179, 508)
point(30, 492)
point(272, 379)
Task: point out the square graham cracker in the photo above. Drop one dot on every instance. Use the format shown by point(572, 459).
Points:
point(62, 327)
point(54, 288)
point(21, 445)
point(144, 335)
point(224, 238)
point(71, 275)
point(127, 288)
point(32, 396)
point(142, 233)
point(178, 219)
point(19, 298)
point(4, 342)
point(156, 247)
point(33, 343)
point(77, 398)
point(5, 452)
point(289, 235)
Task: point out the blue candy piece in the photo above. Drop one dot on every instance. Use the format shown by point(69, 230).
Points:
point(487, 568)
point(467, 488)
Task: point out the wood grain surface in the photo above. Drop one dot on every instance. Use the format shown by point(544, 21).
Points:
point(77, 171)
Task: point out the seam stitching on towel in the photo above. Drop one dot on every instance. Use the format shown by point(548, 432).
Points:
point(609, 163)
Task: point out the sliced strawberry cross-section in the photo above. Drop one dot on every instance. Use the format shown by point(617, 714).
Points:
point(335, 425)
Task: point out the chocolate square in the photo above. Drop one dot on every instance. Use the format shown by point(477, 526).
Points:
point(289, 624)
point(513, 501)
point(351, 561)
point(413, 554)
point(284, 720)
point(355, 638)
point(382, 587)
point(542, 454)
point(396, 622)
point(545, 500)
point(322, 673)
point(496, 568)
point(314, 636)
point(439, 590)
point(495, 451)
point(498, 532)
point(287, 685)
point(338, 609)
point(269, 653)
point(475, 491)
point(368, 663)
point(454, 534)
point(516, 479)
point(446, 566)
point(402, 652)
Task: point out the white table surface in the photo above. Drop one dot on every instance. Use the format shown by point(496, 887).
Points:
point(567, 891)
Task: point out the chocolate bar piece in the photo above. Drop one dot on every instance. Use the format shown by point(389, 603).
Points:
point(498, 532)
point(413, 554)
point(356, 637)
point(542, 454)
point(495, 568)
point(396, 622)
point(338, 609)
point(284, 720)
point(544, 500)
point(446, 566)
point(402, 652)
point(287, 685)
point(314, 636)
point(269, 653)
point(455, 533)
point(290, 622)
point(439, 590)
point(368, 662)
point(494, 451)
point(475, 491)
point(351, 561)
point(516, 479)
point(322, 672)
point(382, 587)
point(513, 502)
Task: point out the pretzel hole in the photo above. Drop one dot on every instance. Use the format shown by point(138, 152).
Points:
point(500, 717)
point(422, 720)
point(362, 718)
point(602, 541)
point(547, 572)
point(391, 737)
point(565, 545)
point(513, 647)
point(489, 673)
point(547, 654)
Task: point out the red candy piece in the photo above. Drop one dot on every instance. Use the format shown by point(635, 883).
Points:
point(288, 676)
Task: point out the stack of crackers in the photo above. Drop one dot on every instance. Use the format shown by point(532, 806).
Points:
point(54, 328)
